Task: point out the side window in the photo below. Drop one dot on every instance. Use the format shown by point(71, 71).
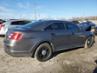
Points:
point(72, 27)
point(56, 26)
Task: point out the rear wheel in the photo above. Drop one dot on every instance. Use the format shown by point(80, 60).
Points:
point(43, 52)
point(89, 42)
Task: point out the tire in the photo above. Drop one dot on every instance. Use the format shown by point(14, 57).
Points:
point(89, 42)
point(43, 52)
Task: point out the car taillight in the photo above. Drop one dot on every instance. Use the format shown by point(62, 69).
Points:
point(1, 25)
point(16, 36)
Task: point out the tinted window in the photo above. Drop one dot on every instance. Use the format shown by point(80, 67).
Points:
point(72, 27)
point(19, 22)
point(56, 26)
point(34, 24)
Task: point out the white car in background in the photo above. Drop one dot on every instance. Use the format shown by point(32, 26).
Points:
point(10, 24)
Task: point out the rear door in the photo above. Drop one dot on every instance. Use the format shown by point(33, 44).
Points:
point(60, 35)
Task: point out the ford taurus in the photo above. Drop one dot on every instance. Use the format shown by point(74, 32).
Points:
point(40, 39)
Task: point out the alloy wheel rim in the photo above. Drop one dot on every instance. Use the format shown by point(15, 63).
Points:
point(43, 54)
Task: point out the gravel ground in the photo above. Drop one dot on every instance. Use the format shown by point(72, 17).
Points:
point(74, 61)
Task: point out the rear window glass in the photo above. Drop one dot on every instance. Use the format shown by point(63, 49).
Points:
point(34, 23)
point(20, 22)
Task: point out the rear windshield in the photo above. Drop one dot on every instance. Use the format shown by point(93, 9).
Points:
point(34, 23)
point(20, 22)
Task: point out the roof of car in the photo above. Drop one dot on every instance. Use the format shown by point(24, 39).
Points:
point(53, 20)
point(45, 23)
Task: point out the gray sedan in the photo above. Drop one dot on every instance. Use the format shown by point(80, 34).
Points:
point(40, 39)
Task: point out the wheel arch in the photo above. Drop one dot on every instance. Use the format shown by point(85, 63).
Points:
point(52, 46)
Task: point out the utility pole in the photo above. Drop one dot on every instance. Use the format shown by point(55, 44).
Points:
point(35, 11)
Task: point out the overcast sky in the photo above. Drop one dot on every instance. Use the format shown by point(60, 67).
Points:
point(30, 9)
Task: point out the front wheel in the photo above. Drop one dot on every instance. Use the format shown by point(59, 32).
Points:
point(43, 52)
point(89, 42)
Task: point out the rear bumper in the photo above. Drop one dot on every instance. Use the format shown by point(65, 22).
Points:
point(19, 49)
point(10, 51)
